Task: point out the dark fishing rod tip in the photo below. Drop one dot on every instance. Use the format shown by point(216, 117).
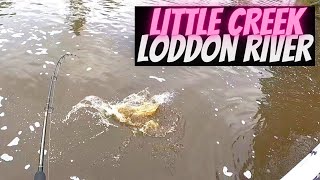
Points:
point(40, 176)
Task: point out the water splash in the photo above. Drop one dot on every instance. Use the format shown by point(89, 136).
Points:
point(140, 112)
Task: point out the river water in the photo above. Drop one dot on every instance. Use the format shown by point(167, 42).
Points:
point(258, 120)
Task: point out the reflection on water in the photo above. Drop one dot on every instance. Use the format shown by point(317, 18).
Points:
point(288, 120)
point(258, 120)
point(3, 7)
point(78, 13)
point(110, 5)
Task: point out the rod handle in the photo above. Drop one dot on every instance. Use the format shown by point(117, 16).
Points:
point(40, 176)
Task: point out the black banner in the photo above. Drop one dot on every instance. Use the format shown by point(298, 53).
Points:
point(225, 36)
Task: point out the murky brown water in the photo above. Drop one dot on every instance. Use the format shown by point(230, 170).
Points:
point(261, 119)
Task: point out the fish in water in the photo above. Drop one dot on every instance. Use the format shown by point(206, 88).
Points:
point(140, 111)
point(141, 116)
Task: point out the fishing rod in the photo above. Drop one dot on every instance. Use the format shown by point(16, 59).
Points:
point(40, 175)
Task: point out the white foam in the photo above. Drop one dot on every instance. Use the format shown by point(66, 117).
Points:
point(42, 51)
point(247, 174)
point(55, 32)
point(3, 31)
point(216, 109)
point(58, 42)
point(243, 122)
point(6, 157)
point(44, 66)
point(34, 37)
point(39, 45)
point(2, 114)
point(218, 142)
point(14, 142)
point(10, 30)
point(37, 124)
point(89, 69)
point(24, 42)
point(17, 35)
point(20, 132)
point(74, 178)
point(29, 51)
point(27, 166)
point(225, 171)
point(163, 98)
point(4, 128)
point(157, 78)
point(31, 128)
point(42, 32)
point(3, 40)
point(50, 62)
point(68, 74)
